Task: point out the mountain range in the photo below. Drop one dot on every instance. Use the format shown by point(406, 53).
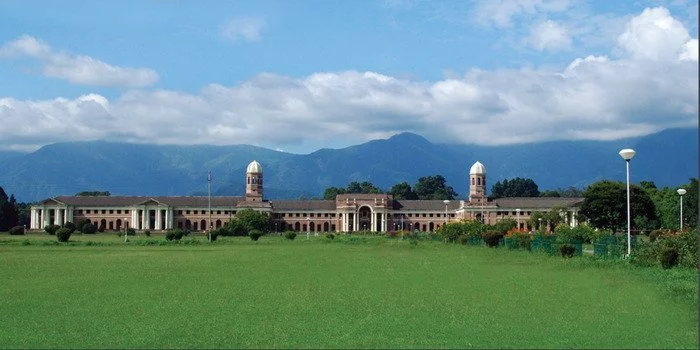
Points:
point(669, 158)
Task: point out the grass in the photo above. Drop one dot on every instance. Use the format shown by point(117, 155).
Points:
point(358, 292)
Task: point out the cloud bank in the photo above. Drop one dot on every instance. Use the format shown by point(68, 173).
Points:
point(649, 85)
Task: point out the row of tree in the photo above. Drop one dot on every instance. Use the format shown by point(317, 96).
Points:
point(427, 187)
point(523, 187)
point(12, 213)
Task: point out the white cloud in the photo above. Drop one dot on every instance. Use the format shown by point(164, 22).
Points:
point(500, 13)
point(689, 52)
point(594, 97)
point(77, 69)
point(549, 35)
point(243, 29)
point(654, 35)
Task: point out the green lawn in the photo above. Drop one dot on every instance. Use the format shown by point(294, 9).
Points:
point(370, 293)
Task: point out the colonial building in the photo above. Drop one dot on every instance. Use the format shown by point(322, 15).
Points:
point(347, 213)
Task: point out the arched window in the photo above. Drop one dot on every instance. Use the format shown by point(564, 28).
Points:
point(472, 181)
point(255, 180)
point(478, 181)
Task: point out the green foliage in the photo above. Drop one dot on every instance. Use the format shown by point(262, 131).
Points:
point(505, 225)
point(331, 192)
point(63, 234)
point(51, 229)
point(517, 187)
point(131, 231)
point(214, 235)
point(88, 228)
point(434, 187)
point(451, 231)
point(9, 212)
point(255, 234)
point(605, 204)
point(363, 187)
point(685, 244)
point(518, 240)
point(492, 238)
point(174, 234)
point(567, 250)
point(147, 233)
point(330, 236)
point(463, 239)
point(69, 225)
point(668, 257)
point(93, 193)
point(290, 235)
point(247, 220)
point(17, 231)
point(403, 191)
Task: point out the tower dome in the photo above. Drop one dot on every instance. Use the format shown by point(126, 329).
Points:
point(477, 169)
point(254, 167)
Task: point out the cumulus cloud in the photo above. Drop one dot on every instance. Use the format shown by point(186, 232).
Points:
point(594, 97)
point(77, 69)
point(654, 35)
point(549, 35)
point(243, 29)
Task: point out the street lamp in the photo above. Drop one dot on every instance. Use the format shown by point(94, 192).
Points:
point(681, 192)
point(308, 228)
point(446, 201)
point(517, 212)
point(627, 155)
point(540, 225)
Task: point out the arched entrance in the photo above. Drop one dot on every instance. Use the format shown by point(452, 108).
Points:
point(365, 218)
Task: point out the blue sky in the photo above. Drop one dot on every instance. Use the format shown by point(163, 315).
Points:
point(301, 75)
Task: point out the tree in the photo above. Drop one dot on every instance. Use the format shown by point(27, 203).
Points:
point(550, 193)
point(250, 220)
point(434, 187)
point(517, 187)
point(605, 205)
point(9, 214)
point(93, 193)
point(331, 192)
point(403, 191)
point(364, 187)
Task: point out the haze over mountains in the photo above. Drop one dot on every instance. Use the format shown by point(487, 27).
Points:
point(669, 158)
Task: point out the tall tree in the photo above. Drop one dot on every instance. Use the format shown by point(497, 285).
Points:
point(517, 187)
point(403, 191)
point(434, 187)
point(9, 214)
point(331, 192)
point(605, 205)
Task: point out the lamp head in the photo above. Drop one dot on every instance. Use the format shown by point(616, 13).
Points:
point(627, 154)
point(446, 201)
point(681, 191)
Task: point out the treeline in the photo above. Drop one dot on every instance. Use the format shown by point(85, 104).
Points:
point(12, 213)
point(427, 187)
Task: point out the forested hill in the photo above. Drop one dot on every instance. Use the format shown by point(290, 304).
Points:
point(668, 158)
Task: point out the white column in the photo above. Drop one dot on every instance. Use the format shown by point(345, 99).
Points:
point(46, 217)
point(159, 217)
point(58, 217)
point(373, 220)
point(69, 214)
point(143, 218)
point(32, 218)
point(356, 220)
point(384, 222)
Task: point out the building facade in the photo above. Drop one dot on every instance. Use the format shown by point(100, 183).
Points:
point(347, 213)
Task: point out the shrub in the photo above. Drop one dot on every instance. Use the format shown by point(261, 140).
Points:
point(654, 235)
point(214, 234)
point(290, 235)
point(393, 234)
point(255, 234)
point(175, 234)
point(464, 238)
point(88, 228)
point(101, 228)
point(51, 229)
point(567, 250)
point(17, 231)
point(69, 225)
point(147, 233)
point(63, 234)
point(130, 231)
point(492, 237)
point(669, 257)
point(330, 236)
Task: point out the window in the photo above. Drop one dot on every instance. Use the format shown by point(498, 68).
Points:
point(179, 212)
point(226, 212)
point(187, 211)
point(424, 214)
point(87, 211)
point(126, 211)
point(410, 215)
point(431, 215)
point(333, 215)
point(104, 211)
point(195, 212)
point(111, 211)
point(79, 211)
point(311, 215)
point(218, 212)
point(119, 211)
point(297, 215)
point(325, 215)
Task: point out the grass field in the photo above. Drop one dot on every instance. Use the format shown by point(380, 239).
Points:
point(360, 293)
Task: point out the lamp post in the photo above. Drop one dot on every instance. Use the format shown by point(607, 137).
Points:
point(308, 228)
point(446, 201)
point(627, 155)
point(540, 223)
point(681, 192)
point(517, 212)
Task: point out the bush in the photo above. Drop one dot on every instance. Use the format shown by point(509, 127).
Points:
point(17, 231)
point(147, 233)
point(290, 235)
point(669, 257)
point(654, 235)
point(255, 234)
point(130, 231)
point(464, 238)
point(330, 236)
point(69, 225)
point(88, 228)
point(63, 234)
point(214, 235)
point(51, 229)
point(175, 234)
point(492, 237)
point(567, 250)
